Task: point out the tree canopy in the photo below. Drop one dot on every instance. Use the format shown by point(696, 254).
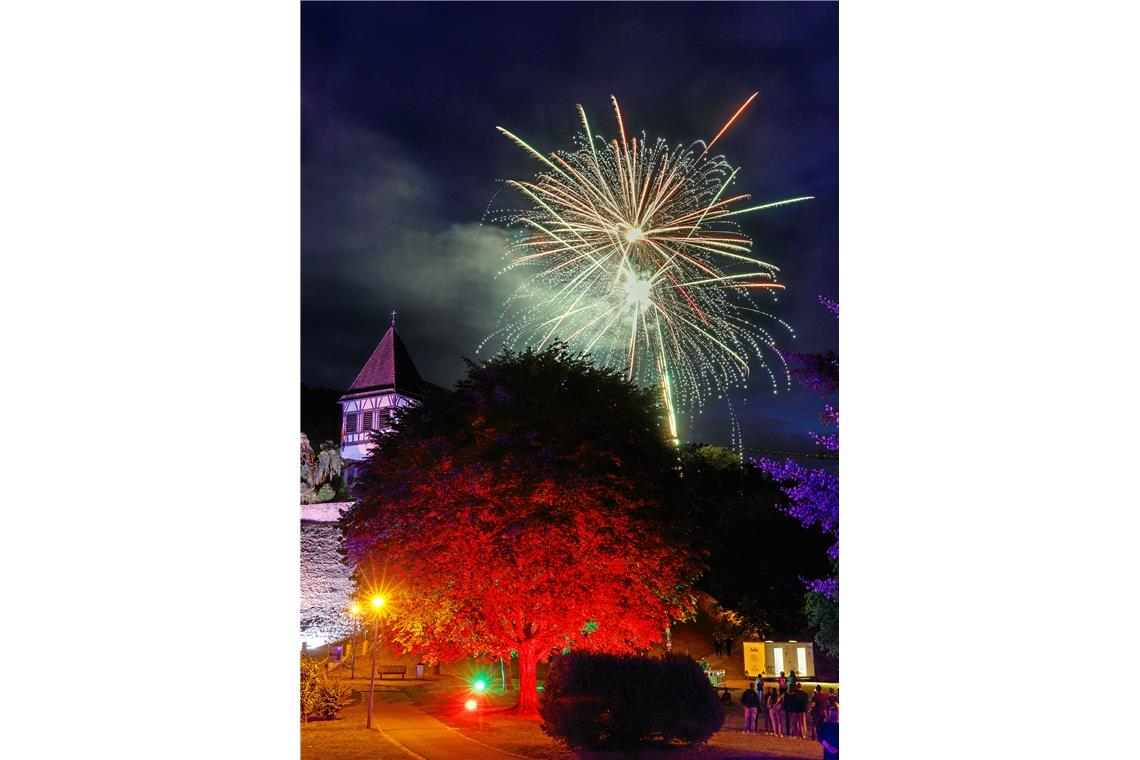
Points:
point(756, 553)
point(521, 512)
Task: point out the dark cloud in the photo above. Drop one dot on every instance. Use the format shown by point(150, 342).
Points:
point(382, 243)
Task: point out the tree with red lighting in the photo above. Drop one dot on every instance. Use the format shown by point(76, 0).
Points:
point(521, 512)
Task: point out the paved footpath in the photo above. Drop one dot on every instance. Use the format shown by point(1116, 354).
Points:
point(422, 735)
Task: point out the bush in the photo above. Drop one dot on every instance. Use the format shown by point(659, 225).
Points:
point(602, 701)
point(310, 685)
point(332, 697)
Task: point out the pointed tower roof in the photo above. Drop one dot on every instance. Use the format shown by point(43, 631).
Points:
point(389, 368)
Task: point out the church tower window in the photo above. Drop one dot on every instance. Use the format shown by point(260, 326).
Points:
point(350, 423)
point(368, 420)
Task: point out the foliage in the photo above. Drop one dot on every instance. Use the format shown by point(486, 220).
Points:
point(332, 697)
point(823, 616)
point(755, 552)
point(601, 701)
point(319, 695)
point(310, 685)
point(308, 466)
point(813, 496)
point(506, 514)
point(816, 372)
point(321, 472)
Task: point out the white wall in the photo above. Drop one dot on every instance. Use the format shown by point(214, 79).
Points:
point(326, 585)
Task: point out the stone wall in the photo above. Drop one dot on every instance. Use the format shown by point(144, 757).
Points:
point(326, 586)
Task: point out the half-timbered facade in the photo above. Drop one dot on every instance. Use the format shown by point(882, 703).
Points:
point(387, 382)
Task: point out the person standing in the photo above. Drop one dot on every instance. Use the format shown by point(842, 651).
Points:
point(819, 710)
point(762, 713)
point(776, 712)
point(751, 702)
point(792, 683)
point(782, 682)
point(793, 714)
point(717, 644)
point(805, 702)
point(728, 646)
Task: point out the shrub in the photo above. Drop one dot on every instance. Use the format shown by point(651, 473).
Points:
point(332, 697)
point(310, 685)
point(601, 701)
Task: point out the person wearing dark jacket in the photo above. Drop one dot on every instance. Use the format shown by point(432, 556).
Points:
point(819, 710)
point(751, 701)
point(795, 705)
point(762, 718)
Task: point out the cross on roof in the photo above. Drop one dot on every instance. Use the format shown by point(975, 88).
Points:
point(393, 317)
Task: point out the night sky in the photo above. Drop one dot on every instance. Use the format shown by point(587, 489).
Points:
point(400, 160)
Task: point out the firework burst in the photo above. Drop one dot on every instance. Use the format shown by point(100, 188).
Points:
point(637, 260)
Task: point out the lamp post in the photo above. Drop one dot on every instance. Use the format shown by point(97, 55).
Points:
point(355, 634)
point(377, 604)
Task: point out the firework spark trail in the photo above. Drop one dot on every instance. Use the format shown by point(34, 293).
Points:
point(637, 261)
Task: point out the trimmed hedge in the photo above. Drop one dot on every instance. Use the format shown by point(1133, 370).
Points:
point(602, 701)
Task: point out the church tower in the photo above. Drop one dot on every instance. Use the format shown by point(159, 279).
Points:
point(387, 381)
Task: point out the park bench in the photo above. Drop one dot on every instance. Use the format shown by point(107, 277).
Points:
point(393, 670)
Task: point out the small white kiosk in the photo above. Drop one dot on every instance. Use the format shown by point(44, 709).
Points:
point(770, 658)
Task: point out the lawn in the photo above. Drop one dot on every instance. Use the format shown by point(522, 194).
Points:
point(501, 729)
point(347, 739)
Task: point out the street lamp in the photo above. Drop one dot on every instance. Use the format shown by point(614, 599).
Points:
point(356, 612)
point(377, 604)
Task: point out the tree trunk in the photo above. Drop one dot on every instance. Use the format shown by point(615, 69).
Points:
point(528, 681)
point(504, 675)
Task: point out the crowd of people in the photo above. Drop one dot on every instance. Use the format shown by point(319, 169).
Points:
point(787, 710)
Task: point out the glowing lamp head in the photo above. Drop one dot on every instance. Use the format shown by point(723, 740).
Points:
point(633, 234)
point(355, 609)
point(471, 704)
point(480, 685)
point(377, 602)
